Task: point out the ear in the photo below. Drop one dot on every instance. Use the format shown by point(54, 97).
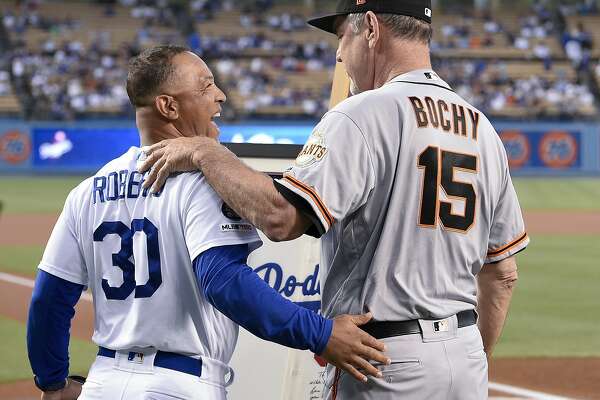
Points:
point(167, 106)
point(372, 32)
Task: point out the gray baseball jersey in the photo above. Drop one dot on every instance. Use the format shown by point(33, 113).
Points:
point(409, 187)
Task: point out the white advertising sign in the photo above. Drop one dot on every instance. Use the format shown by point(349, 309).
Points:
point(268, 371)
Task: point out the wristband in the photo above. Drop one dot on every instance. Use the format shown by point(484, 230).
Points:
point(52, 387)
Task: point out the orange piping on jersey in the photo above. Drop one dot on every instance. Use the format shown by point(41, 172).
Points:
point(509, 246)
point(336, 381)
point(313, 195)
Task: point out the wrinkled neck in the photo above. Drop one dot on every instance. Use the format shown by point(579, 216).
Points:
point(400, 58)
point(153, 129)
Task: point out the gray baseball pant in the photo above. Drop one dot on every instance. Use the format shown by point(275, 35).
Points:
point(448, 365)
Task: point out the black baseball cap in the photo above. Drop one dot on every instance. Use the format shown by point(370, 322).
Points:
point(420, 9)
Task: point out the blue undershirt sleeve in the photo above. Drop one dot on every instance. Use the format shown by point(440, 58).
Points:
point(50, 312)
point(238, 292)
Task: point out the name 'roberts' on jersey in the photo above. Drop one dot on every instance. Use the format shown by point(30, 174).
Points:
point(439, 114)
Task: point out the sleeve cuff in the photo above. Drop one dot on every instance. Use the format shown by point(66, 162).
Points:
point(50, 387)
point(62, 274)
point(508, 250)
point(252, 242)
point(316, 229)
point(311, 203)
point(324, 339)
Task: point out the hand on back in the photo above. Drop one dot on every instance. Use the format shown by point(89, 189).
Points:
point(350, 348)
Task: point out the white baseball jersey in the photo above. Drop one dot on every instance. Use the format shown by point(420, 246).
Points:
point(135, 251)
point(410, 186)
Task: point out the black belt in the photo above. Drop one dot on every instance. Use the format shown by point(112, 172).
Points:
point(385, 329)
point(163, 359)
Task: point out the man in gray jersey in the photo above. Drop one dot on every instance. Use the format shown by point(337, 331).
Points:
point(409, 188)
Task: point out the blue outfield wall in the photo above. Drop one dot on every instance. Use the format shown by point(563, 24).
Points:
point(551, 148)
point(538, 149)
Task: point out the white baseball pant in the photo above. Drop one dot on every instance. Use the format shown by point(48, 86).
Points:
point(127, 377)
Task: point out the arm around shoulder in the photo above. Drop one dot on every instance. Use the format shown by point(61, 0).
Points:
point(285, 222)
point(252, 194)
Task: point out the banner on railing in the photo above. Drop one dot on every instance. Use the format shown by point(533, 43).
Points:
point(555, 150)
point(83, 147)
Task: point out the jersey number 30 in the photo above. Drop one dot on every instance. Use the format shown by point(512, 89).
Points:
point(122, 258)
point(439, 171)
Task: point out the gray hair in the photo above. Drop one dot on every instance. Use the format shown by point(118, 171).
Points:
point(401, 26)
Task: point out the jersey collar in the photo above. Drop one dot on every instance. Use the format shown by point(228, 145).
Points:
point(421, 76)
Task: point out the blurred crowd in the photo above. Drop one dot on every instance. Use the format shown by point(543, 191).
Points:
point(488, 86)
point(264, 83)
point(531, 32)
point(26, 16)
point(285, 22)
point(69, 81)
point(67, 77)
point(4, 82)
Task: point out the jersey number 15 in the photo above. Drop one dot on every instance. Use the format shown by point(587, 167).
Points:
point(439, 168)
point(122, 259)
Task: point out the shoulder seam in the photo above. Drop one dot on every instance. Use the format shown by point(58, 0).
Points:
point(362, 134)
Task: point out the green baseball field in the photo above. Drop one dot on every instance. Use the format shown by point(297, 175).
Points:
point(551, 342)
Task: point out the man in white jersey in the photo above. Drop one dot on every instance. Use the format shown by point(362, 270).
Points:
point(408, 186)
point(167, 270)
